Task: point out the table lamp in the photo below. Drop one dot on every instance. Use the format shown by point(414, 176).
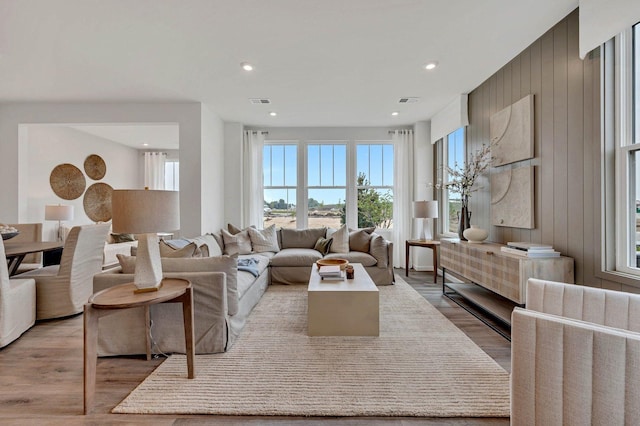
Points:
point(145, 212)
point(425, 210)
point(58, 213)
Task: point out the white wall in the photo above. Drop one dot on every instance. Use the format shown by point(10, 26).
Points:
point(212, 177)
point(13, 199)
point(233, 210)
point(49, 146)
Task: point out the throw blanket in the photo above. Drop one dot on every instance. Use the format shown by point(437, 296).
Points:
point(249, 265)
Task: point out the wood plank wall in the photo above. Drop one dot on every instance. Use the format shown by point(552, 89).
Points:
point(566, 93)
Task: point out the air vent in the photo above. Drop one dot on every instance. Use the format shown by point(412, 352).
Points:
point(259, 101)
point(408, 100)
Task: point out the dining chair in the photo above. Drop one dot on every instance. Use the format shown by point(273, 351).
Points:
point(62, 290)
point(29, 233)
point(17, 304)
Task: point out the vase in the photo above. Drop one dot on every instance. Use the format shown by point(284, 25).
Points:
point(475, 234)
point(464, 219)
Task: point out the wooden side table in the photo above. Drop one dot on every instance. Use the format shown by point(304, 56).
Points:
point(433, 245)
point(122, 296)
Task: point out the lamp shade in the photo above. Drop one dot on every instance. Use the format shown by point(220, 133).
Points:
point(425, 209)
point(58, 212)
point(140, 211)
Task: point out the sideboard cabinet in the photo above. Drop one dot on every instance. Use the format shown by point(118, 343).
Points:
point(502, 273)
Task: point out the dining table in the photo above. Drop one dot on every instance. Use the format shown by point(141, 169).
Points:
point(15, 252)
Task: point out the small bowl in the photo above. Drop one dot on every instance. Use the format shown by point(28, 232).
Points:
point(9, 235)
point(326, 262)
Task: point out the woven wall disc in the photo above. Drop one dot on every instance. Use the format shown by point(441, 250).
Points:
point(97, 202)
point(67, 181)
point(95, 167)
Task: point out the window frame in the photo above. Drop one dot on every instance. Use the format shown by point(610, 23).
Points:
point(390, 188)
point(302, 187)
point(444, 192)
point(281, 187)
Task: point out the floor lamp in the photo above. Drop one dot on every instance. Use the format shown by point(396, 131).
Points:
point(58, 213)
point(425, 210)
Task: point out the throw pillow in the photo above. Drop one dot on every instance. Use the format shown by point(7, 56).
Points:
point(301, 238)
point(239, 243)
point(340, 240)
point(378, 249)
point(359, 240)
point(233, 230)
point(127, 263)
point(122, 238)
point(323, 245)
point(207, 244)
point(264, 240)
point(190, 250)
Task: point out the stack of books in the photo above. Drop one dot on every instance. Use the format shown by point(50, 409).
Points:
point(331, 272)
point(530, 250)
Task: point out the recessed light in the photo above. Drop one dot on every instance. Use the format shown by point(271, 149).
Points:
point(246, 66)
point(145, 144)
point(431, 65)
point(273, 113)
point(394, 113)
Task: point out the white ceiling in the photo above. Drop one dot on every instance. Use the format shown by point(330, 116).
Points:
point(321, 62)
point(155, 136)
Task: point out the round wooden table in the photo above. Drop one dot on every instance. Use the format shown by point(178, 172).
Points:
point(122, 296)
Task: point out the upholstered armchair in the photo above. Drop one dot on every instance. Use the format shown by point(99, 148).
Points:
point(29, 233)
point(17, 303)
point(575, 356)
point(62, 290)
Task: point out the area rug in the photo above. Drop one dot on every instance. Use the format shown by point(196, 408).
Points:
point(420, 365)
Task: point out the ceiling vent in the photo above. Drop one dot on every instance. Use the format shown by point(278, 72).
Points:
point(408, 100)
point(259, 101)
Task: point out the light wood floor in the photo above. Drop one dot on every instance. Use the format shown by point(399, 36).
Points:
point(41, 376)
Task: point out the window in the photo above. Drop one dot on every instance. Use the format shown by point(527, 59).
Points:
point(621, 107)
point(374, 185)
point(172, 175)
point(327, 183)
point(453, 157)
point(280, 180)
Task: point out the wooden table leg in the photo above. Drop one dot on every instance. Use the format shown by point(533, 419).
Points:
point(435, 264)
point(147, 328)
point(189, 333)
point(406, 268)
point(90, 355)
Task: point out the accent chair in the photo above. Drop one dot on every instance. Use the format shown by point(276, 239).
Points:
point(29, 233)
point(62, 290)
point(17, 303)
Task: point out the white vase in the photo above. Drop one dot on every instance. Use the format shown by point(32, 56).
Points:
point(475, 235)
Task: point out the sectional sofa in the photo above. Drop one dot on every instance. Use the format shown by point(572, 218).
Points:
point(229, 277)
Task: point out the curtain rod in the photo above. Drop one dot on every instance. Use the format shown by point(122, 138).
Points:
point(255, 132)
point(400, 130)
point(154, 152)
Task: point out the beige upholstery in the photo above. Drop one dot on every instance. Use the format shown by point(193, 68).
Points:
point(17, 304)
point(574, 359)
point(62, 290)
point(29, 233)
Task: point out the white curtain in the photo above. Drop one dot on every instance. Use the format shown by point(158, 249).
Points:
point(402, 193)
point(154, 170)
point(252, 188)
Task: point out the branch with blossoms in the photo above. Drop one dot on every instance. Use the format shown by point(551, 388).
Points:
point(463, 179)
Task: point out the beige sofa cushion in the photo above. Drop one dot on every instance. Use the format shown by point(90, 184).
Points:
point(209, 242)
point(264, 240)
point(359, 240)
point(226, 264)
point(354, 257)
point(296, 257)
point(239, 243)
point(301, 238)
point(340, 240)
point(190, 250)
point(378, 249)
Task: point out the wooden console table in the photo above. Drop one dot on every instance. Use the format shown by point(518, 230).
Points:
point(433, 245)
point(122, 296)
point(501, 273)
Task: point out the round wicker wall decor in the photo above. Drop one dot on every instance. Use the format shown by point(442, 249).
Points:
point(67, 181)
point(97, 202)
point(95, 167)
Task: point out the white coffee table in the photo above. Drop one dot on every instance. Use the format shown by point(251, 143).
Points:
point(343, 308)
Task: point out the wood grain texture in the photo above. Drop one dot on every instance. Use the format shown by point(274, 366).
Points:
point(567, 149)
